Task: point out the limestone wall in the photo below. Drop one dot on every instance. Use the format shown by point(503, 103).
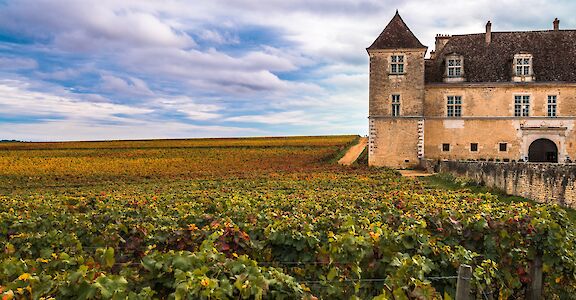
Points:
point(542, 182)
point(488, 120)
point(497, 99)
point(410, 85)
point(393, 142)
point(396, 141)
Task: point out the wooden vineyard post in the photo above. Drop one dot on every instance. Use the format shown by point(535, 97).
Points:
point(463, 284)
point(535, 292)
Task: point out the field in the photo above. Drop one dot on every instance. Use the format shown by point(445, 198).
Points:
point(258, 218)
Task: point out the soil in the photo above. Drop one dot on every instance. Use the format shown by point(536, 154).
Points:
point(353, 153)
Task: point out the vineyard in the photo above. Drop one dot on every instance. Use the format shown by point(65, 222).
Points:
point(258, 219)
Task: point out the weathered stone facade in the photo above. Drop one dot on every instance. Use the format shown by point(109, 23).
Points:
point(544, 183)
point(489, 122)
point(395, 140)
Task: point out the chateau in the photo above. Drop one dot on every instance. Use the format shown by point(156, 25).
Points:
point(508, 96)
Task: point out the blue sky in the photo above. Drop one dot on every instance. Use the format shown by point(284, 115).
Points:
point(135, 69)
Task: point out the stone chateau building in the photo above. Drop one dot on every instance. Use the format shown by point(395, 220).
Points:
point(508, 96)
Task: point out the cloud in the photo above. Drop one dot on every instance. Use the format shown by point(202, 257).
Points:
point(280, 67)
point(130, 86)
point(90, 25)
point(213, 70)
point(42, 116)
point(192, 110)
point(78, 130)
point(17, 99)
point(15, 63)
point(218, 38)
point(288, 117)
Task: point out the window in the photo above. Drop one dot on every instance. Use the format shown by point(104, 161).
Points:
point(552, 105)
point(397, 64)
point(395, 105)
point(522, 67)
point(454, 71)
point(454, 67)
point(474, 147)
point(503, 147)
point(454, 106)
point(445, 147)
point(521, 105)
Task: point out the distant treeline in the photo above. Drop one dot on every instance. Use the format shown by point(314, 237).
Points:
point(10, 141)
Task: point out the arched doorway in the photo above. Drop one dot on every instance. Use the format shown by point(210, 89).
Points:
point(543, 150)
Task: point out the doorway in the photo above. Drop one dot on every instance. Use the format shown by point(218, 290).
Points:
point(543, 150)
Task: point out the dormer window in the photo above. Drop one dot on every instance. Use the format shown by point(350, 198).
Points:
point(397, 64)
point(454, 68)
point(522, 68)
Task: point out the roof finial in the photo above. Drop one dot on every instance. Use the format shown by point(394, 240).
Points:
point(397, 12)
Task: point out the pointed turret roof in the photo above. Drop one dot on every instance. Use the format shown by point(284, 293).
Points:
point(396, 35)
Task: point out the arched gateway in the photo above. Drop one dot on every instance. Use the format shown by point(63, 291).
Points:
point(543, 150)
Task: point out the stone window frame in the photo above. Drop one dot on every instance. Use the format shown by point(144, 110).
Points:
point(445, 147)
point(454, 107)
point(521, 109)
point(524, 63)
point(396, 104)
point(552, 107)
point(457, 65)
point(393, 59)
point(505, 144)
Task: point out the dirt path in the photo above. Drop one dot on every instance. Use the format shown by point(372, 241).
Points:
point(353, 153)
point(414, 173)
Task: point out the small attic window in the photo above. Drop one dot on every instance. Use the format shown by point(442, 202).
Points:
point(522, 68)
point(454, 68)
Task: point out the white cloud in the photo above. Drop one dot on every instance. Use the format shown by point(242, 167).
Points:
point(287, 117)
point(17, 99)
point(77, 130)
point(216, 37)
point(345, 81)
point(187, 106)
point(131, 86)
point(15, 63)
point(216, 71)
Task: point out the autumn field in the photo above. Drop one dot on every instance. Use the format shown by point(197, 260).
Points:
point(263, 218)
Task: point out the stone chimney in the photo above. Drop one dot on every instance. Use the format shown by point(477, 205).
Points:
point(556, 24)
point(441, 40)
point(488, 33)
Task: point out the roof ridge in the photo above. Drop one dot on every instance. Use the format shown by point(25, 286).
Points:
point(527, 31)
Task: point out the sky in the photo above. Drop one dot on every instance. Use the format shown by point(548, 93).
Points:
point(142, 69)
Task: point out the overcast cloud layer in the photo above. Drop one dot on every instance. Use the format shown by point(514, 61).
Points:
point(134, 69)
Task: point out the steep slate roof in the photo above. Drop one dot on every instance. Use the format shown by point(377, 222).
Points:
point(554, 56)
point(396, 35)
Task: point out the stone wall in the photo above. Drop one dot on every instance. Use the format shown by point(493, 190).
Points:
point(393, 143)
point(542, 182)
